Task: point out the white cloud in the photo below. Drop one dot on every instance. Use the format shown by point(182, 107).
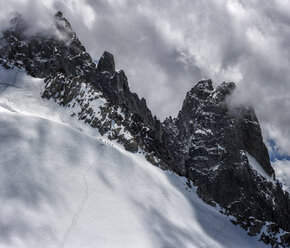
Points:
point(282, 170)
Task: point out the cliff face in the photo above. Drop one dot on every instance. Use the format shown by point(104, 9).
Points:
point(209, 131)
point(211, 143)
point(114, 85)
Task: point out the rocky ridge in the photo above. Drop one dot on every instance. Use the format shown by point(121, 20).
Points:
point(67, 67)
point(209, 142)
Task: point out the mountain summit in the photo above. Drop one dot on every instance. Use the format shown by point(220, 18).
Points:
point(217, 147)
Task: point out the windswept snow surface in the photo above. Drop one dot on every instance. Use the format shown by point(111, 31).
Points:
point(62, 187)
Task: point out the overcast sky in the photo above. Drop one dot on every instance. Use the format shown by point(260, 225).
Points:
point(165, 46)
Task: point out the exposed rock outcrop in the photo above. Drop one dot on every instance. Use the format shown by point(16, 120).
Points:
point(106, 63)
point(209, 142)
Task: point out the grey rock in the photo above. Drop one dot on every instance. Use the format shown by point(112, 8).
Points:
point(106, 63)
point(208, 142)
point(131, 145)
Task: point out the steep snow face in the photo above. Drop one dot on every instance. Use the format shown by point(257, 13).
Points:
point(62, 188)
point(21, 93)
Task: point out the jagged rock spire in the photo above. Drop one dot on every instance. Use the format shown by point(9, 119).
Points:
point(223, 90)
point(106, 63)
point(58, 14)
point(202, 89)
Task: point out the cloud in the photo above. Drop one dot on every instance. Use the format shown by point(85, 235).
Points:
point(36, 15)
point(282, 170)
point(165, 46)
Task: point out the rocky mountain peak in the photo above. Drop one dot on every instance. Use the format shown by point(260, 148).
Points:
point(106, 63)
point(204, 84)
point(222, 91)
point(214, 145)
point(58, 15)
point(63, 26)
point(202, 89)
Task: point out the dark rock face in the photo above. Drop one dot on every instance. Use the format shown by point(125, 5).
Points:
point(208, 142)
point(114, 85)
point(250, 134)
point(106, 63)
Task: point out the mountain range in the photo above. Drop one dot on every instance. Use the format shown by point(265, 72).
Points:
point(213, 149)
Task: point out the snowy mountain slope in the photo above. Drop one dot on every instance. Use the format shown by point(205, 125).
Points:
point(57, 88)
point(61, 186)
point(22, 93)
